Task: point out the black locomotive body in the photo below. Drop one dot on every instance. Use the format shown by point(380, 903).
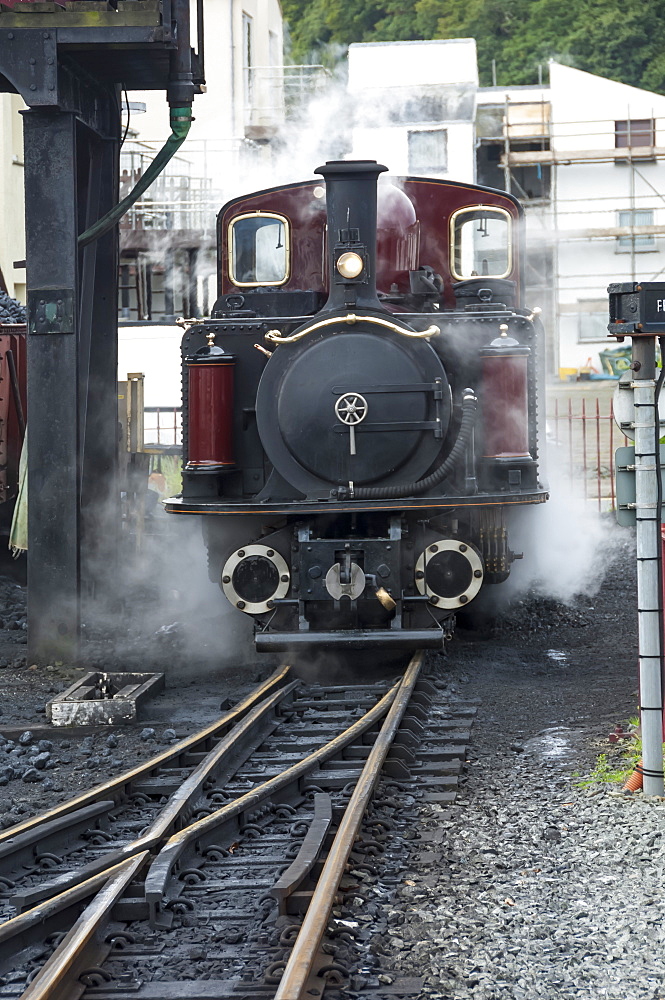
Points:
point(360, 410)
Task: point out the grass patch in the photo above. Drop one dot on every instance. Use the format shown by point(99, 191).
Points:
point(611, 772)
point(615, 767)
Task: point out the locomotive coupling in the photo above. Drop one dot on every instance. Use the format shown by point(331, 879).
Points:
point(385, 599)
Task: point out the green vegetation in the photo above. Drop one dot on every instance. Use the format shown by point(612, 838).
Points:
point(620, 39)
point(605, 772)
point(624, 759)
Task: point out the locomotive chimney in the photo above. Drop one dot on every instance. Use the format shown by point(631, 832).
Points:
point(351, 208)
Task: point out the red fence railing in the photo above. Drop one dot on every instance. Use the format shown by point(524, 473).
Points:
point(582, 438)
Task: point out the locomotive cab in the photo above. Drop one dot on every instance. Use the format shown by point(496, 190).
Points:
point(364, 395)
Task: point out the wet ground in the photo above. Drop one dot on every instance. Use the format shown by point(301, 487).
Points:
point(553, 678)
point(539, 885)
point(536, 887)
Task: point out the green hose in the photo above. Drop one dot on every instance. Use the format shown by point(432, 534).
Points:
point(181, 119)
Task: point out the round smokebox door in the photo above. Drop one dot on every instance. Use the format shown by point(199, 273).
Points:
point(354, 406)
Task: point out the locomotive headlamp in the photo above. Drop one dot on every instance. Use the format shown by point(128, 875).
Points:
point(449, 572)
point(350, 264)
point(253, 577)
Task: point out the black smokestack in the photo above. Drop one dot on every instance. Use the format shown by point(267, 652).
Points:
point(351, 207)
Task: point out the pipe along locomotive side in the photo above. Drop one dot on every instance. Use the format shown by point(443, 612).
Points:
point(361, 407)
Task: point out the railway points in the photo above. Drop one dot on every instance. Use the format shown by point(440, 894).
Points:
point(424, 913)
point(252, 801)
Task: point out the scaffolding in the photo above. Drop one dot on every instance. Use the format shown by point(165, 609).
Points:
point(526, 149)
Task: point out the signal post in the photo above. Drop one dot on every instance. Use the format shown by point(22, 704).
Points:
point(637, 310)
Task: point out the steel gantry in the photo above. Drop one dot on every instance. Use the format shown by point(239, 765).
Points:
point(69, 62)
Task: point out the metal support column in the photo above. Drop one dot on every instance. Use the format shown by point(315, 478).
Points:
point(193, 286)
point(69, 74)
point(648, 555)
point(53, 427)
point(169, 285)
point(98, 367)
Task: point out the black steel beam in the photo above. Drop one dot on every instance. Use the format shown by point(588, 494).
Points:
point(67, 66)
point(53, 324)
point(98, 365)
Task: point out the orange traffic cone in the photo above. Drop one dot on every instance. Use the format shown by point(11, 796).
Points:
point(634, 781)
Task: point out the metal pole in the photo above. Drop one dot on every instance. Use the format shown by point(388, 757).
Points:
point(648, 555)
point(54, 472)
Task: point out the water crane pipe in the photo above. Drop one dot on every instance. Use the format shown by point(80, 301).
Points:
point(181, 119)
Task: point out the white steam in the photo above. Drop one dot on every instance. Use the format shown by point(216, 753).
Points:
point(568, 546)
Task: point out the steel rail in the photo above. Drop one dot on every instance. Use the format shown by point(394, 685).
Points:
point(72, 956)
point(51, 982)
point(249, 732)
point(302, 957)
point(117, 786)
point(32, 927)
point(162, 866)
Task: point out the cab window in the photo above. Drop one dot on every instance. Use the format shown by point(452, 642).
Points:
point(481, 243)
point(259, 249)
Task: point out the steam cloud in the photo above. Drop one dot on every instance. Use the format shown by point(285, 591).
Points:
point(567, 547)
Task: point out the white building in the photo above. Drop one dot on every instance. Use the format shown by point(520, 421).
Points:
point(587, 157)
point(244, 104)
point(414, 106)
point(12, 231)
point(168, 239)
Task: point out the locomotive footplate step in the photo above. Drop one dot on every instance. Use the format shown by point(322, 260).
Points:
point(281, 642)
point(203, 505)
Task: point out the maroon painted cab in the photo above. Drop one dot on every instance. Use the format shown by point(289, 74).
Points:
point(416, 220)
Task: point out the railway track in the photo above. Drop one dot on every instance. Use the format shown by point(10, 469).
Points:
point(262, 831)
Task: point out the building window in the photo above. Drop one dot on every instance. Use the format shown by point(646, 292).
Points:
point(428, 151)
point(635, 217)
point(247, 61)
point(634, 132)
point(592, 320)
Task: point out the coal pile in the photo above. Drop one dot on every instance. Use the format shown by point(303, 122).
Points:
point(11, 311)
point(13, 622)
point(535, 614)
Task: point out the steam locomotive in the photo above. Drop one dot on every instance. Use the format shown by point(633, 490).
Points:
point(360, 409)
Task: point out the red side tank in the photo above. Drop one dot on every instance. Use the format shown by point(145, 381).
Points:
point(505, 398)
point(12, 405)
point(210, 410)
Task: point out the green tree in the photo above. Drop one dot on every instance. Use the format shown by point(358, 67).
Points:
point(620, 39)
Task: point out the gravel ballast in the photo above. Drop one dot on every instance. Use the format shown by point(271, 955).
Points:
point(539, 884)
point(530, 885)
